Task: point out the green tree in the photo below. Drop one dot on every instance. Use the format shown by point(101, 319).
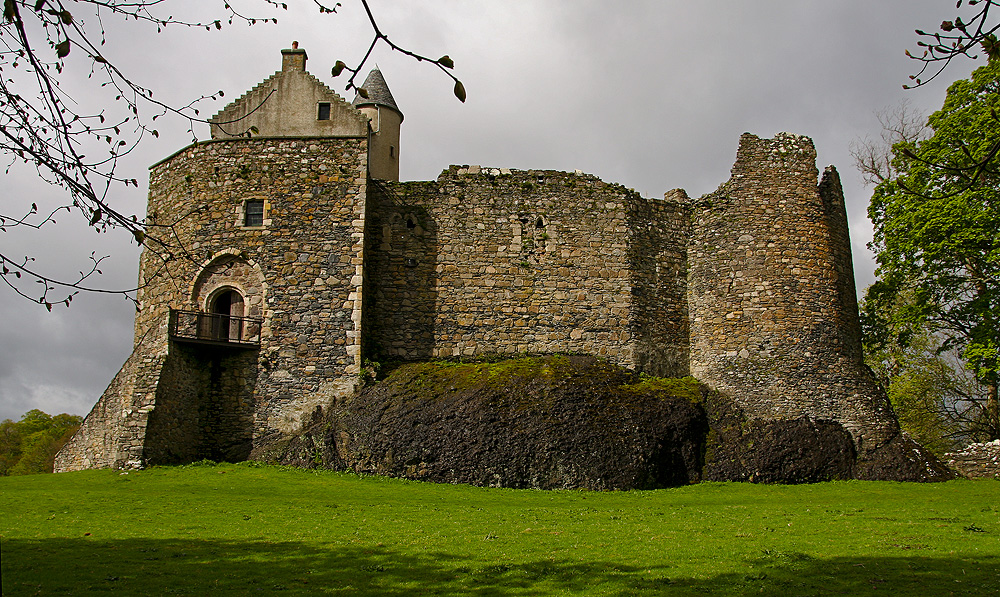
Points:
point(930, 392)
point(10, 446)
point(936, 240)
point(29, 446)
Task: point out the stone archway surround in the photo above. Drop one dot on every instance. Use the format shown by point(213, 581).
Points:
point(230, 269)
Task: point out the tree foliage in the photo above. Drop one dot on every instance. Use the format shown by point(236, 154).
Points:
point(971, 37)
point(29, 446)
point(937, 400)
point(936, 241)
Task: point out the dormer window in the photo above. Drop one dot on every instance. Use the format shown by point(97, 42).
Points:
point(323, 113)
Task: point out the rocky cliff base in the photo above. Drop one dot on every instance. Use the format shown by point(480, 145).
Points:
point(576, 422)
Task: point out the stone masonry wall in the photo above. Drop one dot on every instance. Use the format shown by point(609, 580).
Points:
point(770, 323)
point(488, 260)
point(204, 406)
point(657, 245)
point(114, 432)
point(97, 444)
point(301, 270)
point(847, 320)
point(975, 461)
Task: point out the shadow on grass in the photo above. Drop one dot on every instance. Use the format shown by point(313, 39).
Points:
point(199, 567)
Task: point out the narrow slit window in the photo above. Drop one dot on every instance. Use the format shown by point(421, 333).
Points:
point(392, 151)
point(253, 213)
point(324, 111)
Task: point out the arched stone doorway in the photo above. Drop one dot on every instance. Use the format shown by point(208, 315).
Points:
point(229, 290)
point(226, 306)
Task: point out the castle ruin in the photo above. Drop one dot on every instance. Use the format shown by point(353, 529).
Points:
point(307, 256)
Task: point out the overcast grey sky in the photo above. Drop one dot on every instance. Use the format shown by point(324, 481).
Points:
point(650, 94)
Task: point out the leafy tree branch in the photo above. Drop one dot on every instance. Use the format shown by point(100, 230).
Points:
point(936, 214)
point(445, 63)
point(957, 38)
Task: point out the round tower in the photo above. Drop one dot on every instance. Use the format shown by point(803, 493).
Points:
point(774, 320)
point(385, 118)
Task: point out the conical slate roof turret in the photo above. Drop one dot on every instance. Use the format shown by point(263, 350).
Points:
point(378, 93)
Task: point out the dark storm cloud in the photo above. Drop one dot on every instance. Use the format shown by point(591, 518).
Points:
point(650, 94)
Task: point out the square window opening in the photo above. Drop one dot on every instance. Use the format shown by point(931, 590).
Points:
point(253, 213)
point(324, 111)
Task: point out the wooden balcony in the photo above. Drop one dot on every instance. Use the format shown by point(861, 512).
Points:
point(215, 328)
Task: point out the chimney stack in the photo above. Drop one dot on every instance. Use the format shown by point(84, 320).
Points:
point(294, 59)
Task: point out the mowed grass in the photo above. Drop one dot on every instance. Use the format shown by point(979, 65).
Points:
point(246, 529)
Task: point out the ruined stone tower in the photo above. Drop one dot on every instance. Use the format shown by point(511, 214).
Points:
point(773, 309)
point(305, 255)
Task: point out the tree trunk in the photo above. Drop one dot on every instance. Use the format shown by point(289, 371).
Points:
point(992, 410)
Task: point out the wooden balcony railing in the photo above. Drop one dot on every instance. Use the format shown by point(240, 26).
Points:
point(214, 328)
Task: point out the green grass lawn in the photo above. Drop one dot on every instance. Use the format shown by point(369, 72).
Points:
point(246, 529)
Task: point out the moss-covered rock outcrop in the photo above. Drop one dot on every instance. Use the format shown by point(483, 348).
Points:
point(569, 422)
point(552, 422)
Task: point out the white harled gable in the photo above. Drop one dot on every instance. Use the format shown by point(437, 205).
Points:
point(287, 104)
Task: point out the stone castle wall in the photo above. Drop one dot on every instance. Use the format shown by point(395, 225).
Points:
point(497, 261)
point(114, 432)
point(977, 461)
point(169, 404)
point(771, 293)
point(658, 233)
point(204, 406)
point(847, 321)
point(750, 289)
point(301, 270)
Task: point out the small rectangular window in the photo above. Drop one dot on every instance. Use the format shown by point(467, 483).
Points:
point(253, 213)
point(324, 111)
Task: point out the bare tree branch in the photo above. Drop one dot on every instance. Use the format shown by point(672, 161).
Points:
point(956, 38)
point(900, 125)
point(79, 151)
